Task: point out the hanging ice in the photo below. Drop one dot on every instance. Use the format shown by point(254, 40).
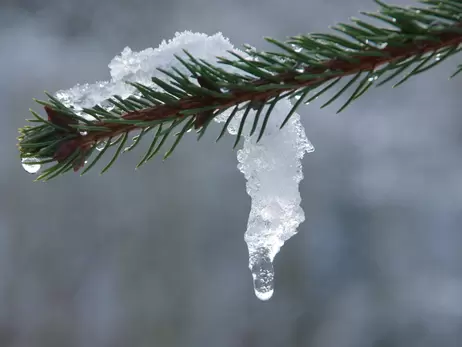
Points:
point(272, 167)
point(273, 171)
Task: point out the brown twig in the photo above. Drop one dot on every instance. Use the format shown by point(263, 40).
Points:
point(360, 63)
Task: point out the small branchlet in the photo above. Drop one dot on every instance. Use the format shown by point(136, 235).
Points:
point(413, 40)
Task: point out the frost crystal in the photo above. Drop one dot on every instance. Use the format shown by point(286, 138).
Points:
point(272, 167)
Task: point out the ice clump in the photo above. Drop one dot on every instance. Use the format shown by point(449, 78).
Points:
point(272, 167)
point(273, 170)
point(141, 66)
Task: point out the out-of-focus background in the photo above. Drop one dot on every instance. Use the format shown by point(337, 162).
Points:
point(156, 257)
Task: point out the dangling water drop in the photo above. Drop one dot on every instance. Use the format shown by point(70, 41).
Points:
point(30, 165)
point(262, 270)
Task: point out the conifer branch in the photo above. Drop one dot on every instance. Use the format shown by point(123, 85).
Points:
point(415, 39)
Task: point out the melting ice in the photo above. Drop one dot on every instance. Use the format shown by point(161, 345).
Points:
point(272, 167)
point(273, 171)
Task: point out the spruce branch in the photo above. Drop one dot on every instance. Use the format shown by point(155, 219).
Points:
point(412, 40)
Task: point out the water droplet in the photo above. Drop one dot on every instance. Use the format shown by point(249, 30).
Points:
point(100, 146)
point(250, 49)
point(438, 57)
point(379, 45)
point(30, 165)
point(263, 276)
point(296, 97)
point(296, 48)
point(372, 78)
point(300, 69)
point(251, 58)
point(83, 133)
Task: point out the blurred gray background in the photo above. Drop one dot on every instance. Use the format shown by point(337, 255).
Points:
point(156, 257)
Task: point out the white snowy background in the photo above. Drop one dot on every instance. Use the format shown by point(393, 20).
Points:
point(157, 257)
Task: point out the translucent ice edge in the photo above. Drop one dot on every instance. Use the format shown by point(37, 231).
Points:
point(272, 167)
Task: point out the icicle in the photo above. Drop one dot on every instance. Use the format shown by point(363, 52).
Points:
point(273, 171)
